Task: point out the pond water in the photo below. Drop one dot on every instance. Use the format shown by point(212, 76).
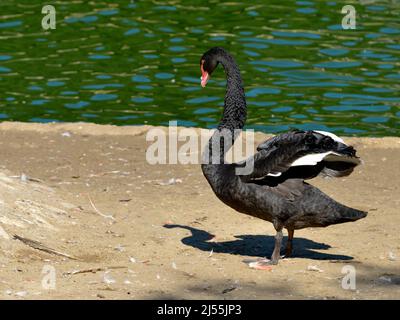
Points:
point(137, 62)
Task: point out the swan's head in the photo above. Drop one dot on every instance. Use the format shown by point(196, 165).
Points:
point(208, 63)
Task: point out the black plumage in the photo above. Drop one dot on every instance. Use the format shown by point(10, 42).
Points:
point(275, 190)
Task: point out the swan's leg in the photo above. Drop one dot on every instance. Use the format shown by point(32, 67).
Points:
point(277, 250)
point(265, 264)
point(289, 244)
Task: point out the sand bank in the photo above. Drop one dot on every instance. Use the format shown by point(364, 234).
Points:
point(86, 191)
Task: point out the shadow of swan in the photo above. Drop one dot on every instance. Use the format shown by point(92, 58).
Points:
point(254, 245)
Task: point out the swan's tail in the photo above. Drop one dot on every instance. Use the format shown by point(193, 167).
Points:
point(328, 211)
point(350, 214)
point(341, 214)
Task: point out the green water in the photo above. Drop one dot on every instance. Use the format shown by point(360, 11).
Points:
point(137, 62)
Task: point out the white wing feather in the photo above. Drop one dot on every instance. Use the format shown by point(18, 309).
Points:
point(313, 159)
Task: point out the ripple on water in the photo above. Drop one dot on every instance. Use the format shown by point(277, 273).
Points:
point(35, 88)
point(178, 60)
point(177, 49)
point(202, 100)
point(373, 35)
point(191, 89)
point(205, 110)
point(186, 123)
point(301, 75)
point(142, 99)
point(388, 30)
point(393, 76)
point(287, 42)
point(251, 53)
point(304, 3)
point(255, 45)
point(99, 57)
point(338, 64)
point(340, 95)
point(218, 38)
point(103, 86)
point(306, 10)
point(376, 89)
point(103, 77)
point(109, 12)
point(253, 13)
point(128, 117)
point(192, 79)
point(375, 119)
point(367, 108)
point(207, 119)
point(288, 34)
point(144, 87)
point(196, 30)
point(261, 91)
point(39, 102)
point(370, 73)
point(150, 56)
point(165, 8)
point(5, 57)
point(89, 115)
point(261, 103)
point(55, 83)
point(385, 66)
point(278, 63)
point(43, 120)
point(176, 40)
point(85, 19)
point(140, 78)
point(350, 43)
point(335, 27)
point(104, 97)
point(334, 51)
point(319, 84)
point(372, 54)
point(10, 24)
point(166, 29)
point(164, 75)
point(77, 105)
point(4, 69)
point(69, 93)
point(376, 8)
point(304, 102)
point(282, 109)
point(298, 116)
point(393, 46)
point(132, 31)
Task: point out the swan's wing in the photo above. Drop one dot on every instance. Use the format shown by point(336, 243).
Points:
point(289, 189)
point(303, 154)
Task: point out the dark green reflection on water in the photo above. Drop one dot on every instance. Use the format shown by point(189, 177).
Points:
point(136, 62)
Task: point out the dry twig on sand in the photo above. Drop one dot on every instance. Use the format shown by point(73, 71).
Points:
point(39, 246)
point(98, 211)
point(91, 270)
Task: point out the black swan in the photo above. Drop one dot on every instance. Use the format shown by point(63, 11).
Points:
point(275, 189)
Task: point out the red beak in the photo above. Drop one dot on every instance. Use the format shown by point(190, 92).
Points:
point(204, 76)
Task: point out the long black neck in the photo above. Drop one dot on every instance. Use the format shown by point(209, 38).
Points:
point(235, 110)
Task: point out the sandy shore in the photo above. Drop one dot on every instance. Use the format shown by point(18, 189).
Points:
point(86, 192)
